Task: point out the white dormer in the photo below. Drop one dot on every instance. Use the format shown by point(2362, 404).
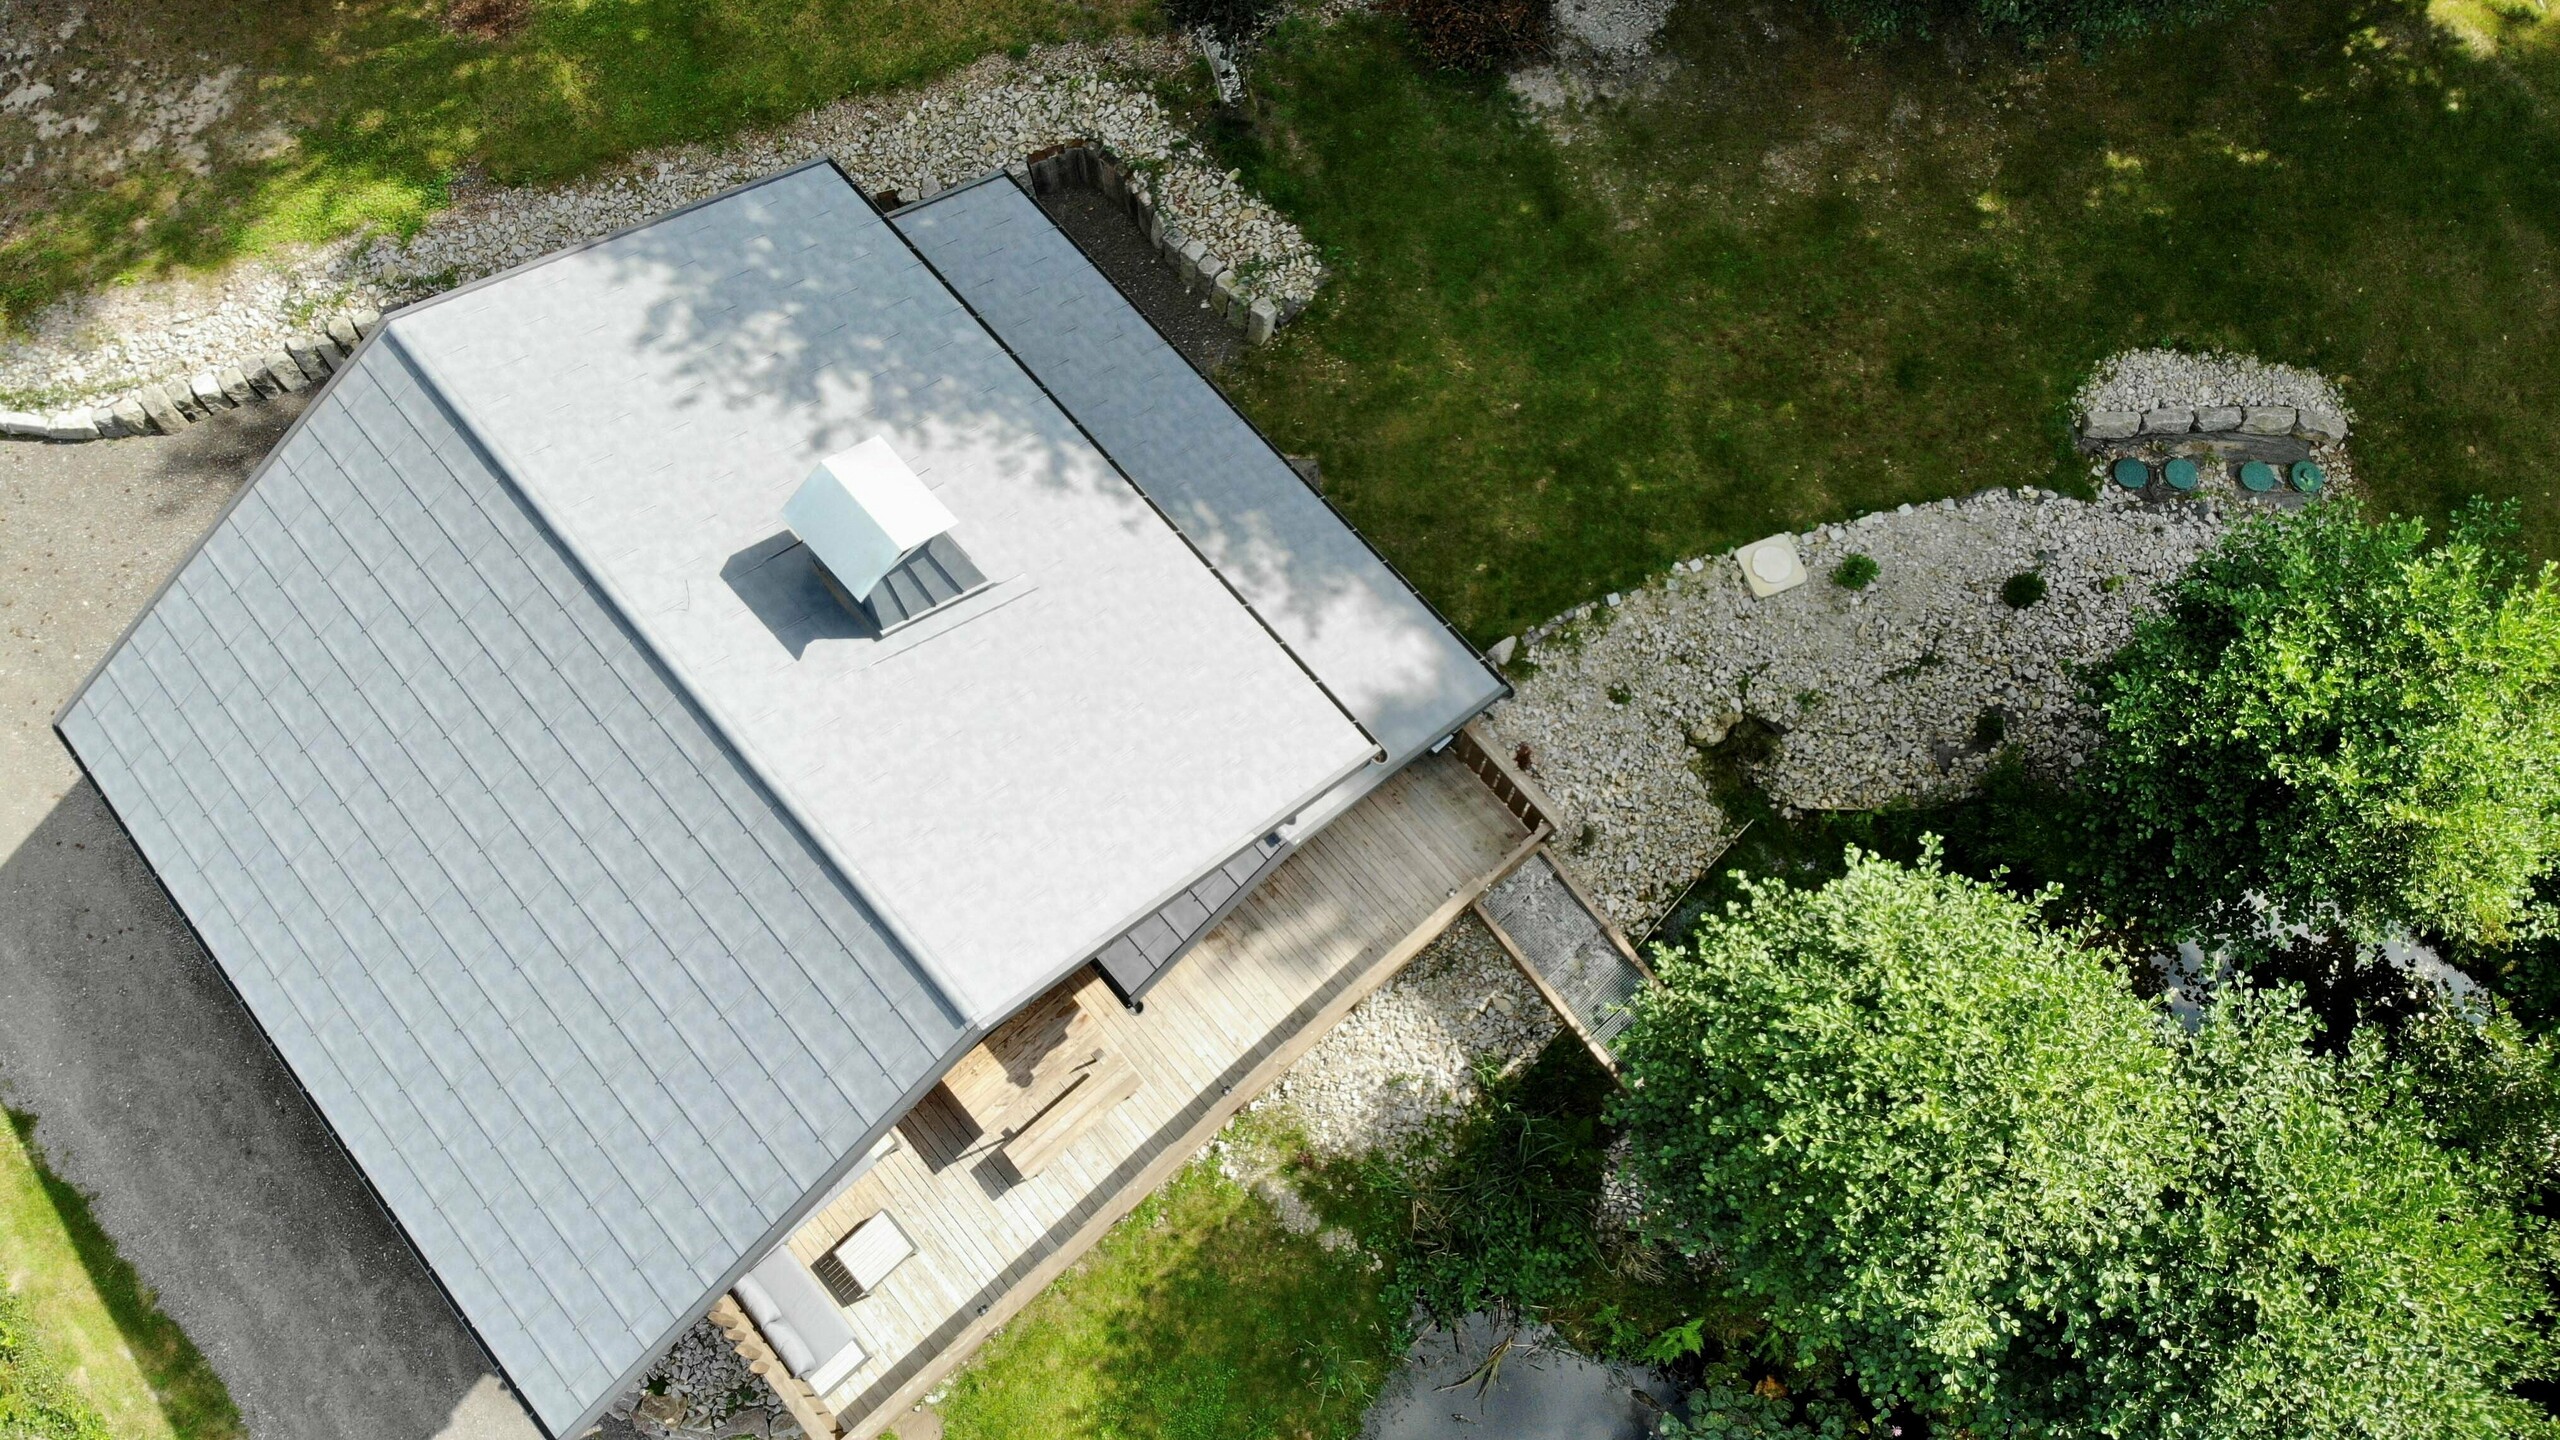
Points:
point(862, 512)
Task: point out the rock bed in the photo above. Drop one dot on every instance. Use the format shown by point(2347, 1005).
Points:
point(91, 350)
point(1405, 1059)
point(704, 1392)
point(1878, 692)
point(2140, 380)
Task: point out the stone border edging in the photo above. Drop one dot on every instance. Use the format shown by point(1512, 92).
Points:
point(1090, 165)
point(2319, 427)
point(168, 407)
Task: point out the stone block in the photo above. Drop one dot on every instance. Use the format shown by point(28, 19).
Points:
point(2168, 422)
point(1770, 566)
point(1261, 322)
point(21, 423)
point(305, 354)
point(260, 381)
point(71, 425)
point(235, 385)
point(2267, 420)
point(1196, 266)
point(367, 320)
point(2215, 419)
point(286, 375)
point(2111, 424)
point(131, 415)
point(165, 415)
point(1115, 181)
point(205, 388)
point(342, 328)
point(1226, 299)
point(1155, 225)
point(2320, 425)
point(110, 425)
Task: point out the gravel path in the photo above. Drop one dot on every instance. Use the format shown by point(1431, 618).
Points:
point(1405, 1060)
point(1878, 693)
point(95, 348)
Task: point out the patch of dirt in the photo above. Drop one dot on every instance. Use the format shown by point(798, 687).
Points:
point(490, 20)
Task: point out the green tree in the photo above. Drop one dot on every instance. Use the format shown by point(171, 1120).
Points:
point(2337, 717)
point(1957, 1156)
point(1924, 1131)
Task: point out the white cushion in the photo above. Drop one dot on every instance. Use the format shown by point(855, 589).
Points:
point(786, 1342)
point(756, 1301)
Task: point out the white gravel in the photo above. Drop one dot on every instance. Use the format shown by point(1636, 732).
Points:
point(93, 349)
point(1406, 1059)
point(1613, 29)
point(1878, 692)
point(2175, 379)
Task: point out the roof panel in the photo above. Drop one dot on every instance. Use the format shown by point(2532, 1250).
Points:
point(254, 600)
point(1373, 642)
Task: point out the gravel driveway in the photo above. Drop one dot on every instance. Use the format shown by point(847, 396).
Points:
point(153, 1091)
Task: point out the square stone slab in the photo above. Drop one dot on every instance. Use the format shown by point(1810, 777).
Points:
point(1770, 566)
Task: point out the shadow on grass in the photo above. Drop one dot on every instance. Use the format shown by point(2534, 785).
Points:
point(189, 1395)
point(1200, 1317)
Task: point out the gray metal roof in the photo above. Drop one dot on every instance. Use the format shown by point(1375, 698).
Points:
point(1011, 780)
point(1376, 645)
point(586, 1007)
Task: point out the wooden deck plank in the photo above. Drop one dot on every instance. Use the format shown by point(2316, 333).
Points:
point(1333, 922)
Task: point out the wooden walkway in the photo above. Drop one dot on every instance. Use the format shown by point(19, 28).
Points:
point(1330, 925)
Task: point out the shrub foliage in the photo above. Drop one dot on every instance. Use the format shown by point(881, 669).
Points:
point(1477, 36)
point(1955, 1154)
point(2336, 716)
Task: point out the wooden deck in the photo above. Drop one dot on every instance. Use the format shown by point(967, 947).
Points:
point(1334, 922)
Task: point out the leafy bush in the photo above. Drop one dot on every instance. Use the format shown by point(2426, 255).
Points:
point(1724, 1409)
point(35, 1402)
point(1855, 571)
point(2336, 716)
point(2022, 590)
point(1477, 36)
point(1232, 21)
point(1953, 1152)
point(1505, 1222)
point(1875, 21)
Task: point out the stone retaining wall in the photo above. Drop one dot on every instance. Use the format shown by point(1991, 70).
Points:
point(165, 409)
point(2102, 428)
point(1090, 165)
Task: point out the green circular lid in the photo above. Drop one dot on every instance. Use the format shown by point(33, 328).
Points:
point(2307, 477)
point(2180, 473)
point(2258, 475)
point(2132, 474)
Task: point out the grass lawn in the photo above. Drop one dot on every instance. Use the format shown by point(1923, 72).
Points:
point(1793, 282)
point(1198, 1318)
point(76, 1315)
point(347, 112)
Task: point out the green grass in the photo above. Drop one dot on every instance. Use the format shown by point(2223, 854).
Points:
point(356, 112)
point(1793, 282)
point(76, 1319)
point(1198, 1318)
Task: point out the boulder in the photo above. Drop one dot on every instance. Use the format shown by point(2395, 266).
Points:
point(2111, 424)
point(235, 385)
point(22, 423)
point(72, 425)
point(131, 414)
point(110, 424)
point(2214, 419)
point(343, 330)
point(367, 320)
point(206, 388)
point(2168, 422)
point(2267, 420)
point(2320, 425)
point(1503, 649)
point(305, 354)
point(287, 375)
point(165, 415)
